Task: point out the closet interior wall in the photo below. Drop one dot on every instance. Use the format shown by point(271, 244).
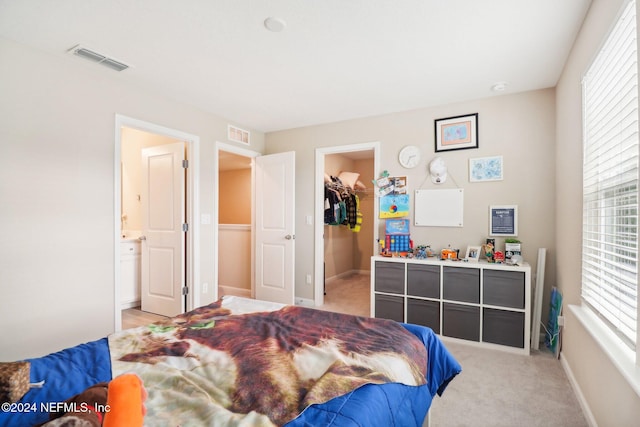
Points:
point(345, 251)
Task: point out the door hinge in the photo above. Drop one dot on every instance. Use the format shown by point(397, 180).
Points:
point(185, 164)
point(185, 227)
point(185, 290)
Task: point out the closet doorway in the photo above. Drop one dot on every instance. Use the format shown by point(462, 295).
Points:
point(342, 267)
point(235, 259)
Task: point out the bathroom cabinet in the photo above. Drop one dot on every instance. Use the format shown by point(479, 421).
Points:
point(488, 304)
point(130, 293)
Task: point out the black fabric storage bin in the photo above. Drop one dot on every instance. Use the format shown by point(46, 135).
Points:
point(503, 288)
point(389, 277)
point(389, 307)
point(461, 284)
point(461, 321)
point(423, 280)
point(425, 313)
point(503, 327)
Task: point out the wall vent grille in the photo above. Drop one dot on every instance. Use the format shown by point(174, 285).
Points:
point(98, 58)
point(238, 135)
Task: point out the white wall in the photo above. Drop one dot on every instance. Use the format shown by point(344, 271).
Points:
point(57, 127)
point(611, 400)
point(520, 127)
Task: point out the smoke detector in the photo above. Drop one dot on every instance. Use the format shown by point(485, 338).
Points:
point(98, 58)
point(275, 25)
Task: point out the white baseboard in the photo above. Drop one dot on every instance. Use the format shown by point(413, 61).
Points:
point(130, 304)
point(232, 290)
point(346, 274)
point(578, 392)
point(306, 302)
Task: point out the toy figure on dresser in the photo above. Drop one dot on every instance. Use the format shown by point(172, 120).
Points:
point(421, 252)
point(449, 254)
point(488, 250)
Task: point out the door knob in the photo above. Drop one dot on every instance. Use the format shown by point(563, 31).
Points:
point(289, 236)
point(142, 238)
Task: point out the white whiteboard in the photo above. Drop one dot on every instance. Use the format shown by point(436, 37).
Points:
point(439, 208)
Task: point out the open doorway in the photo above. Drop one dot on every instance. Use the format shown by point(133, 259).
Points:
point(234, 219)
point(235, 213)
point(272, 198)
point(344, 252)
point(133, 138)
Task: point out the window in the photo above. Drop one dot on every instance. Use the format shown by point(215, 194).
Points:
point(610, 181)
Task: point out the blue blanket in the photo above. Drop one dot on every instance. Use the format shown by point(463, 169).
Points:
point(65, 374)
point(71, 371)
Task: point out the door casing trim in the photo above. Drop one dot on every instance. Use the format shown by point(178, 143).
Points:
point(193, 207)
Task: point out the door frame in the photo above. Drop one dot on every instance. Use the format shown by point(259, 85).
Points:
point(192, 246)
point(318, 292)
point(245, 152)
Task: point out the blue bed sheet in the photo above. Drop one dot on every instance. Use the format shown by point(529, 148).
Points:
point(395, 404)
point(65, 374)
point(70, 371)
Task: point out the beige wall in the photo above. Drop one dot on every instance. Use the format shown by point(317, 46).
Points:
point(234, 261)
point(235, 197)
point(608, 395)
point(520, 127)
point(57, 127)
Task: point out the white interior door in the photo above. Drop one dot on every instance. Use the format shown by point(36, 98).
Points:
point(275, 227)
point(163, 215)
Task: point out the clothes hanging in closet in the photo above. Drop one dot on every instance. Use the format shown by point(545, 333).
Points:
point(341, 205)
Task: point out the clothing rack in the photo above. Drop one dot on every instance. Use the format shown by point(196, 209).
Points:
point(339, 186)
point(341, 205)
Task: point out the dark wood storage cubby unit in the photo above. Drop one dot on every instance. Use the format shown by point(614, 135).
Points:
point(475, 301)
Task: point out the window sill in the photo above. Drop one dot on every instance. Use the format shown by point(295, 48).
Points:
point(620, 355)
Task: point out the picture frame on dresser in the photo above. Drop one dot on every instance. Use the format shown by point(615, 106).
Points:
point(473, 253)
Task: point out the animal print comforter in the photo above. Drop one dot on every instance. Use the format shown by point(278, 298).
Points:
point(212, 367)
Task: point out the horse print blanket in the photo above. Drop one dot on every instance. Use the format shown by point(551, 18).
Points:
point(212, 367)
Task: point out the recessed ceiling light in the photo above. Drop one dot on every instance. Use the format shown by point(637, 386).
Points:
point(274, 25)
point(499, 87)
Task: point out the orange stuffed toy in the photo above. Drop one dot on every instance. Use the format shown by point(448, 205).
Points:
point(119, 403)
point(125, 402)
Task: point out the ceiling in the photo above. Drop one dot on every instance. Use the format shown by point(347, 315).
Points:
point(335, 59)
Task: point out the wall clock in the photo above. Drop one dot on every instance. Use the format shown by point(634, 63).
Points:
point(409, 156)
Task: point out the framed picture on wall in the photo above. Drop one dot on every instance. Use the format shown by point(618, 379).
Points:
point(486, 169)
point(456, 133)
point(503, 220)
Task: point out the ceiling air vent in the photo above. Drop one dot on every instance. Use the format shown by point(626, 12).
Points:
point(98, 58)
point(238, 135)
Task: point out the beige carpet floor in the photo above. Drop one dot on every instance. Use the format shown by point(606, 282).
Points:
point(502, 389)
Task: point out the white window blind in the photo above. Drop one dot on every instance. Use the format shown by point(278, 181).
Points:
point(610, 180)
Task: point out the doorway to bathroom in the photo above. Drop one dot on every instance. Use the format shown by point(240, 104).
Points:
point(156, 171)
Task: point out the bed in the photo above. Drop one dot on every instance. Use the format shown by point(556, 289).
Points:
point(240, 362)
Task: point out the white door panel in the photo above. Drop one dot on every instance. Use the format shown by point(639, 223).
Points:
point(275, 227)
point(163, 214)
